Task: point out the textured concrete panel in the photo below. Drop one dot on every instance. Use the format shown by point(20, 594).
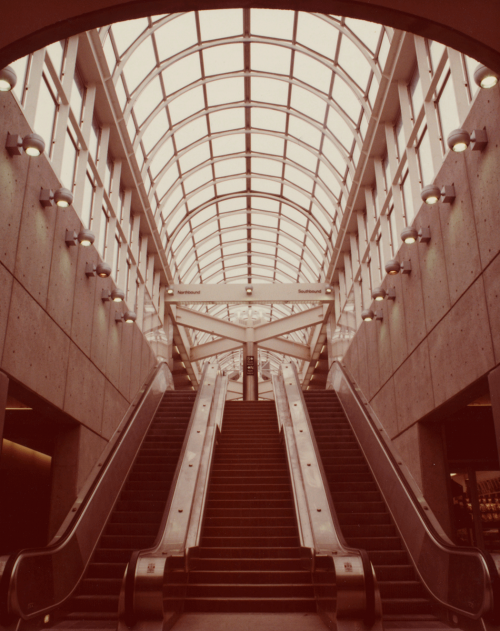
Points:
point(91, 447)
point(491, 278)
point(461, 251)
point(62, 271)
point(6, 281)
point(432, 262)
point(13, 176)
point(394, 318)
point(351, 358)
point(483, 168)
point(113, 351)
point(364, 364)
point(385, 353)
point(412, 297)
point(101, 324)
point(115, 406)
point(460, 346)
point(413, 387)
point(148, 360)
point(64, 475)
point(384, 406)
point(372, 352)
point(84, 390)
point(126, 360)
point(136, 360)
point(36, 232)
point(408, 446)
point(83, 304)
point(36, 350)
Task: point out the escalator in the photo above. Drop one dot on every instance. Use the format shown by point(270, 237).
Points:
point(249, 554)
point(136, 517)
point(363, 515)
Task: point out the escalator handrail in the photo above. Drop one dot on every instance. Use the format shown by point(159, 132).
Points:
point(338, 542)
point(69, 540)
point(421, 510)
point(158, 553)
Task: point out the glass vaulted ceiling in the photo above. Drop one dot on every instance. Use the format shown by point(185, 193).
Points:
point(247, 125)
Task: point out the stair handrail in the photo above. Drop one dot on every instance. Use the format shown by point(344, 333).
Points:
point(35, 581)
point(357, 591)
point(440, 564)
point(142, 592)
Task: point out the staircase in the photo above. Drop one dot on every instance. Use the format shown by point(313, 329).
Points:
point(364, 518)
point(249, 557)
point(135, 520)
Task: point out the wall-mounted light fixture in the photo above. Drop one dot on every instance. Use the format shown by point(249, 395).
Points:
point(367, 315)
point(86, 237)
point(32, 144)
point(379, 315)
point(460, 139)
point(406, 267)
point(103, 270)
point(411, 234)
point(329, 289)
point(115, 295)
point(485, 77)
point(170, 291)
point(62, 197)
point(433, 194)
point(128, 316)
point(249, 290)
point(8, 79)
point(379, 293)
point(392, 267)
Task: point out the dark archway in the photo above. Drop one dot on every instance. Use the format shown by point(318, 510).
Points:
point(28, 25)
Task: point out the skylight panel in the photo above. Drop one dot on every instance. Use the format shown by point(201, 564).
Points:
point(384, 51)
point(264, 203)
point(182, 73)
point(208, 245)
point(200, 198)
point(354, 62)
point(272, 23)
point(288, 243)
point(231, 186)
point(346, 98)
point(319, 215)
point(229, 205)
point(139, 65)
point(197, 179)
point(125, 33)
point(265, 219)
point(263, 248)
point(333, 155)
point(313, 247)
point(304, 131)
point(231, 221)
point(312, 72)
point(176, 217)
point(235, 235)
point(263, 143)
point(294, 215)
point(205, 215)
point(168, 179)
point(308, 104)
point(222, 59)
point(266, 272)
point(230, 167)
point(317, 34)
point(194, 157)
point(225, 145)
point(269, 90)
point(183, 250)
point(267, 167)
point(183, 233)
point(187, 134)
point(300, 155)
point(269, 58)
point(264, 235)
point(265, 118)
point(187, 104)
point(298, 177)
point(109, 53)
point(329, 180)
point(316, 235)
point(282, 278)
point(176, 35)
point(156, 129)
point(339, 128)
point(219, 23)
point(224, 120)
point(172, 201)
point(218, 278)
point(328, 204)
point(186, 263)
point(266, 186)
point(209, 258)
point(148, 100)
point(232, 272)
point(225, 91)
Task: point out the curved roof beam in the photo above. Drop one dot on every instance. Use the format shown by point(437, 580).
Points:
point(261, 194)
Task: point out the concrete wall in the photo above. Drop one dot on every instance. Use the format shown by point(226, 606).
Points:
point(56, 335)
point(442, 332)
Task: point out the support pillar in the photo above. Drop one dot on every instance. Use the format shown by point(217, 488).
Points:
point(250, 373)
point(4, 390)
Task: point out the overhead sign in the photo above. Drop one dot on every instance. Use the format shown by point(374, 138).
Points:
point(268, 293)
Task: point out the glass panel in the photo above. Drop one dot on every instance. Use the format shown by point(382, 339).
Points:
point(148, 100)
point(140, 63)
point(269, 91)
point(187, 104)
point(182, 73)
point(218, 24)
point(317, 34)
point(269, 58)
point(272, 23)
point(221, 59)
point(176, 35)
point(125, 33)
